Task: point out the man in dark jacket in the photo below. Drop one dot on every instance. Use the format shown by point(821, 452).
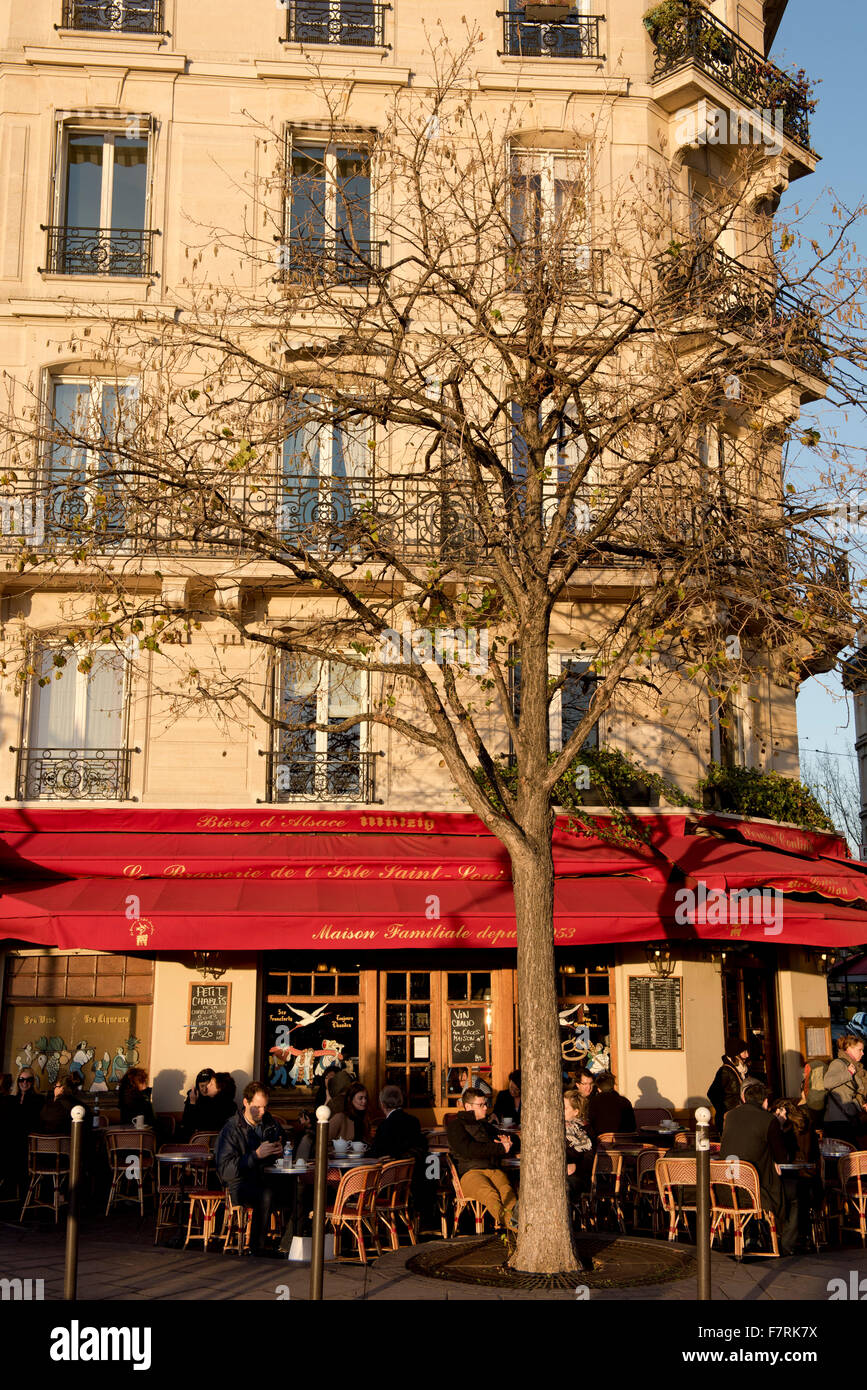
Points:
point(751, 1133)
point(608, 1112)
point(246, 1144)
point(724, 1092)
point(478, 1152)
point(399, 1136)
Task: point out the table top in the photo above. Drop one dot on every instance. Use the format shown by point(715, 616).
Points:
point(173, 1156)
point(657, 1129)
point(358, 1161)
point(292, 1172)
point(794, 1167)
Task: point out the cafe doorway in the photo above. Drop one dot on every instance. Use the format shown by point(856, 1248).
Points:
point(749, 1010)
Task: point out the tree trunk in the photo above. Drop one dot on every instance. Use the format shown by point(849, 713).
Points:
point(544, 1235)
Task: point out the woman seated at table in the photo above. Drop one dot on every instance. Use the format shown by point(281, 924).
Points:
point(353, 1121)
point(802, 1146)
point(134, 1097)
point(507, 1106)
point(579, 1147)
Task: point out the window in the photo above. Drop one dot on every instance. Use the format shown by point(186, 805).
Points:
point(356, 23)
point(89, 421)
point(318, 764)
point(100, 226)
point(562, 457)
point(75, 728)
point(324, 476)
point(121, 16)
point(329, 212)
point(550, 207)
point(730, 741)
point(528, 34)
point(572, 701)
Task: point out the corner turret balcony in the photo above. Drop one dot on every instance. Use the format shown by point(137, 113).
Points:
point(690, 44)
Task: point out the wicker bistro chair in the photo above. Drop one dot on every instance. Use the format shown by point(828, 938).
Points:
point(394, 1198)
point(205, 1205)
point(741, 1204)
point(644, 1191)
point(605, 1188)
point(237, 1226)
point(833, 1209)
point(852, 1169)
point(651, 1115)
point(209, 1138)
point(672, 1176)
point(175, 1181)
point(461, 1203)
point(354, 1208)
point(131, 1155)
point(47, 1162)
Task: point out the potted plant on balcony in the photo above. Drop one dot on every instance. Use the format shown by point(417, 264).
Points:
point(545, 11)
point(664, 25)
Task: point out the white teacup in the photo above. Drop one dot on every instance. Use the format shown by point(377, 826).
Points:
point(358, 1147)
point(341, 1146)
point(506, 1122)
point(139, 1121)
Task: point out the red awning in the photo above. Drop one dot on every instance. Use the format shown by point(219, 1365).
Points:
point(266, 879)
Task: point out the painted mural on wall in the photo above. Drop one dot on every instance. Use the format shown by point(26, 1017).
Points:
point(303, 1041)
point(584, 1039)
point(96, 1046)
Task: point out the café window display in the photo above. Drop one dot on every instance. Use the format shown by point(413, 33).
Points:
point(585, 996)
point(311, 1023)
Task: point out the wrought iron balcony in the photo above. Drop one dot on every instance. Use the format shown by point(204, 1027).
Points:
point(694, 36)
point(99, 251)
point(701, 278)
point(73, 774)
point(114, 16)
point(571, 268)
point(334, 260)
point(354, 23)
point(575, 36)
point(345, 775)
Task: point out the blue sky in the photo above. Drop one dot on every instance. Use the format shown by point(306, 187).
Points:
point(830, 43)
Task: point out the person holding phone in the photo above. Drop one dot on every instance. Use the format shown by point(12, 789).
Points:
point(248, 1143)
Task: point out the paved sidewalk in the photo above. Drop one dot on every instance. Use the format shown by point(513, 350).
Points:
point(126, 1266)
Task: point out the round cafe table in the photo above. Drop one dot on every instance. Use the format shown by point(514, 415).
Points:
point(183, 1159)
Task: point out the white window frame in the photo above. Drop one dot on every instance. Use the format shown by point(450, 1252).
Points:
point(547, 159)
point(556, 661)
point(741, 736)
point(91, 486)
point(321, 735)
point(74, 655)
point(327, 482)
point(349, 139)
point(108, 127)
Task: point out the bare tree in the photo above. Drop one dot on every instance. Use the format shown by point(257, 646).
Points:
point(833, 780)
point(522, 392)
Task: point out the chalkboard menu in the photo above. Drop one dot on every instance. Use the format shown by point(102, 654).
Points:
point(655, 1014)
point(209, 1013)
point(468, 1034)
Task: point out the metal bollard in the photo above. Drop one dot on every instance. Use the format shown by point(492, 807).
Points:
point(71, 1273)
point(317, 1254)
point(702, 1201)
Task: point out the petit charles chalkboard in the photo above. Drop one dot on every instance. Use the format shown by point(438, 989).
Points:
point(208, 1013)
point(655, 1021)
point(468, 1034)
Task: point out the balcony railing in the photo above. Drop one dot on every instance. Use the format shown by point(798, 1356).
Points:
point(72, 774)
point(702, 278)
point(572, 268)
point(695, 36)
point(114, 16)
point(332, 776)
point(354, 23)
point(332, 260)
point(99, 251)
point(575, 36)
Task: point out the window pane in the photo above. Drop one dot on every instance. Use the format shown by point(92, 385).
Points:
point(301, 449)
point(419, 986)
point(307, 218)
point(129, 191)
point(480, 986)
point(353, 198)
point(52, 723)
point(84, 160)
point(419, 1021)
point(71, 414)
point(299, 985)
point(395, 1017)
point(395, 985)
point(395, 1047)
point(323, 984)
point(104, 710)
point(575, 698)
point(458, 986)
point(347, 984)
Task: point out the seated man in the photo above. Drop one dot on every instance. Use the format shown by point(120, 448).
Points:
point(752, 1133)
point(607, 1110)
point(399, 1136)
point(478, 1153)
point(246, 1145)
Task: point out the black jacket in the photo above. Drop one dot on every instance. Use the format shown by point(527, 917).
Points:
point(472, 1142)
point(235, 1150)
point(752, 1133)
point(724, 1092)
point(208, 1114)
point(610, 1112)
point(399, 1136)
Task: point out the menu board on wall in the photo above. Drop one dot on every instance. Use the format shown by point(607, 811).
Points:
point(208, 1013)
point(655, 1014)
point(468, 1034)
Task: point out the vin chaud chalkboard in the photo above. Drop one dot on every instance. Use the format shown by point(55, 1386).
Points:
point(208, 1013)
point(468, 1034)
